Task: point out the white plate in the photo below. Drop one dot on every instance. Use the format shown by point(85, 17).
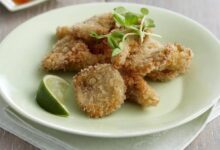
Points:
point(50, 139)
point(182, 99)
point(11, 6)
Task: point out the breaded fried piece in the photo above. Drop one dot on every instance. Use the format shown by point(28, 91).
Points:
point(119, 60)
point(63, 31)
point(69, 54)
point(99, 90)
point(76, 49)
point(101, 47)
point(146, 57)
point(163, 75)
point(101, 24)
point(132, 46)
point(139, 91)
point(177, 64)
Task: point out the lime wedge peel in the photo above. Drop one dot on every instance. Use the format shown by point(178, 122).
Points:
point(51, 93)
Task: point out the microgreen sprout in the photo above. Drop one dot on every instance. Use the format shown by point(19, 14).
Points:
point(134, 24)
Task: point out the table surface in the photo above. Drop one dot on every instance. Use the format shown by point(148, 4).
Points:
point(205, 12)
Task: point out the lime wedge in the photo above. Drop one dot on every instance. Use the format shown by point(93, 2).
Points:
point(51, 93)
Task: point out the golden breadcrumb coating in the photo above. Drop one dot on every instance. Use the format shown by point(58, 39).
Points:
point(69, 54)
point(99, 90)
point(101, 24)
point(76, 49)
point(139, 91)
point(163, 75)
point(101, 47)
point(177, 64)
point(146, 57)
point(132, 46)
point(119, 60)
point(62, 31)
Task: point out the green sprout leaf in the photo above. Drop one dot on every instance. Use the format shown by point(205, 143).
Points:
point(95, 35)
point(132, 24)
point(117, 34)
point(116, 51)
point(112, 42)
point(119, 19)
point(131, 19)
point(144, 11)
point(120, 10)
point(149, 23)
point(121, 45)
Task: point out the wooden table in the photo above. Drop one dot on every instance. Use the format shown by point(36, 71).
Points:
point(204, 11)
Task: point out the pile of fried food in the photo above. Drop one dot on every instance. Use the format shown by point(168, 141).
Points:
point(113, 53)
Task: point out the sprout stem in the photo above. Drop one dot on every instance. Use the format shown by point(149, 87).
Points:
point(126, 35)
point(153, 34)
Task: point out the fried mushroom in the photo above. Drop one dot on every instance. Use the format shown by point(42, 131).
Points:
point(177, 64)
point(69, 54)
point(99, 90)
point(146, 57)
point(138, 91)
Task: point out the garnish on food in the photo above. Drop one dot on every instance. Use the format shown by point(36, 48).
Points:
point(51, 95)
point(133, 24)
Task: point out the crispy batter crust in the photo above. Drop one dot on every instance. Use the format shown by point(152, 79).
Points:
point(119, 60)
point(99, 89)
point(76, 49)
point(177, 64)
point(139, 91)
point(63, 31)
point(163, 75)
point(146, 57)
point(101, 24)
point(69, 54)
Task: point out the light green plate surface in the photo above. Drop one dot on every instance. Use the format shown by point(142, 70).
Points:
point(182, 99)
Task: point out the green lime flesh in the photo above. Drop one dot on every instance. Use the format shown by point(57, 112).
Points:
point(50, 95)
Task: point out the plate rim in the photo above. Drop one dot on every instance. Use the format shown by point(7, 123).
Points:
point(10, 102)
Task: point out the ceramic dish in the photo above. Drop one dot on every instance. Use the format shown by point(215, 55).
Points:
point(11, 6)
point(50, 139)
point(182, 99)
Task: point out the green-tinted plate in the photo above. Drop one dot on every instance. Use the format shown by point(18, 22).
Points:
point(182, 99)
